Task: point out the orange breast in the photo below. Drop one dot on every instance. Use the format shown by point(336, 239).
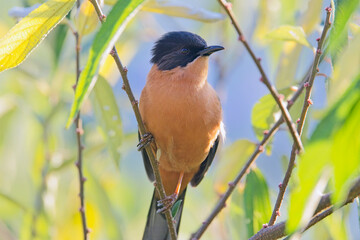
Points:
point(183, 113)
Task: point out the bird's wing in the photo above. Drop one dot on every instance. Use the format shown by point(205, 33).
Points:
point(147, 164)
point(205, 164)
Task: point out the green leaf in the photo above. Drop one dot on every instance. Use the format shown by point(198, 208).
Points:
point(104, 40)
point(86, 19)
point(344, 72)
point(334, 146)
point(266, 112)
point(311, 167)
point(257, 202)
point(107, 113)
point(18, 43)
point(345, 153)
point(289, 33)
point(58, 42)
point(339, 32)
point(175, 208)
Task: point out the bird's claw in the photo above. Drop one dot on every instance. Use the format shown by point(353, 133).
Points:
point(166, 203)
point(145, 140)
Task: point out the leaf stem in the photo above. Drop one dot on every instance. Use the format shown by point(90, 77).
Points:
point(278, 98)
point(307, 102)
point(134, 103)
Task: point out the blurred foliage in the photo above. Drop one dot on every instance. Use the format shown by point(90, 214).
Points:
point(256, 201)
point(38, 179)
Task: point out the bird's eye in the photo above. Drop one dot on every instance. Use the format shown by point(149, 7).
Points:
point(184, 51)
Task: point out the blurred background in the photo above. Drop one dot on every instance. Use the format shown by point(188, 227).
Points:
point(38, 177)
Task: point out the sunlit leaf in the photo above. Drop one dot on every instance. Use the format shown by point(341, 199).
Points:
point(289, 33)
point(339, 31)
point(86, 18)
point(311, 167)
point(234, 158)
point(334, 145)
point(107, 113)
point(346, 146)
point(104, 40)
point(17, 44)
point(257, 202)
point(344, 72)
point(266, 112)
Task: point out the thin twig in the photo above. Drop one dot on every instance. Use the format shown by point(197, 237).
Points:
point(134, 103)
point(323, 210)
point(278, 97)
point(268, 134)
point(307, 102)
point(79, 131)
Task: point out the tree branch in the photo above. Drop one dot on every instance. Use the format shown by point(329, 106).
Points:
point(79, 131)
point(278, 98)
point(134, 103)
point(307, 102)
point(323, 210)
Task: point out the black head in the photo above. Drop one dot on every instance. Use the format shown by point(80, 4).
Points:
point(176, 49)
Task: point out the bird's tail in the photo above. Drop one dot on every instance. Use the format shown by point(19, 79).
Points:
point(156, 226)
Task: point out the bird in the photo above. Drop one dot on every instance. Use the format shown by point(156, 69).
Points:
point(183, 116)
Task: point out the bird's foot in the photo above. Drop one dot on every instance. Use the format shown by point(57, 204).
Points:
point(167, 202)
point(145, 140)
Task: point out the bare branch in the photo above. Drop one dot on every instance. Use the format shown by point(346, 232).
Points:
point(79, 131)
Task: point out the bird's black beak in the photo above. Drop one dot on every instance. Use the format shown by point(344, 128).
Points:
point(209, 50)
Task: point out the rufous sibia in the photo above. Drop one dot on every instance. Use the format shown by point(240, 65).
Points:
point(182, 112)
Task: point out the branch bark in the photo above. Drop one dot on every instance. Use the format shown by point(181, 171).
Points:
point(79, 131)
point(134, 103)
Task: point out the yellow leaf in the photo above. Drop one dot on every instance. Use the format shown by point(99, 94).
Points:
point(86, 19)
point(18, 43)
point(289, 33)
